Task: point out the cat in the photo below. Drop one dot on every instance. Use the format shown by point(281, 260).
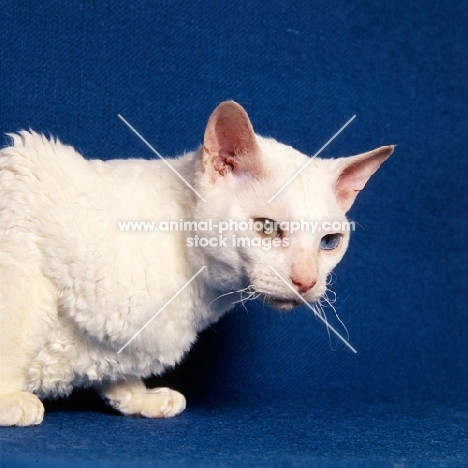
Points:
point(86, 303)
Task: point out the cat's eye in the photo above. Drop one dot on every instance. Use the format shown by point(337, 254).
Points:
point(330, 241)
point(267, 228)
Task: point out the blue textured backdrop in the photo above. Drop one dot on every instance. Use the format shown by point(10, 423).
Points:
point(266, 389)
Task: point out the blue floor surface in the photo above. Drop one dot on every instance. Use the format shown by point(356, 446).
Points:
point(252, 435)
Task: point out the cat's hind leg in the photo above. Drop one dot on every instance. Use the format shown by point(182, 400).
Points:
point(26, 310)
point(132, 398)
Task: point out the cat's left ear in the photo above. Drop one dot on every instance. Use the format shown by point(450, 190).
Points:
point(354, 172)
point(230, 145)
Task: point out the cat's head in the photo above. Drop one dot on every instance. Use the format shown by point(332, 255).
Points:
point(249, 184)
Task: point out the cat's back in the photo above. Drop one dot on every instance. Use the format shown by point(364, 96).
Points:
point(57, 206)
point(49, 193)
point(34, 167)
point(41, 177)
point(34, 152)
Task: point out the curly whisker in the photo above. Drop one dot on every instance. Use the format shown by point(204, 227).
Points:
point(325, 300)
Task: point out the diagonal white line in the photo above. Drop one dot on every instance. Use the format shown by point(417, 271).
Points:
point(314, 311)
point(161, 309)
point(311, 159)
point(160, 157)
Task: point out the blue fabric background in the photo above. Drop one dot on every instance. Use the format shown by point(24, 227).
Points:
point(269, 389)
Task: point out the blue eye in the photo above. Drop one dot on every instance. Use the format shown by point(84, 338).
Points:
point(330, 241)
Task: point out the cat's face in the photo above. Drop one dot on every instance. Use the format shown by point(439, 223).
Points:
point(279, 245)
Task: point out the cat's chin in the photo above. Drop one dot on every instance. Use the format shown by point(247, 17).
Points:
point(283, 305)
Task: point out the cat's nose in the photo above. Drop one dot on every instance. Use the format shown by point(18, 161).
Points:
point(303, 285)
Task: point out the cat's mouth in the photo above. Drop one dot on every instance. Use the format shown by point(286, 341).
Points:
point(283, 304)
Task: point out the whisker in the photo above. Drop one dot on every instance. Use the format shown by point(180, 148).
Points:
point(331, 278)
point(327, 299)
point(330, 304)
point(243, 299)
point(330, 327)
point(239, 291)
point(319, 310)
point(251, 295)
point(222, 295)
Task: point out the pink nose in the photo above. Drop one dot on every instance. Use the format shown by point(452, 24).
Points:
point(303, 285)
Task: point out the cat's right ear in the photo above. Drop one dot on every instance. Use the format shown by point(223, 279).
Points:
point(230, 145)
point(354, 172)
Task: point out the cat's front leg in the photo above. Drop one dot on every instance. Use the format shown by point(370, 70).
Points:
point(28, 307)
point(20, 409)
point(132, 398)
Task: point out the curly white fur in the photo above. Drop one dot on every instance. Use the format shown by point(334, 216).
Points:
point(74, 289)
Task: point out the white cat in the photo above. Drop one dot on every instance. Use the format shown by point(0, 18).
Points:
point(76, 290)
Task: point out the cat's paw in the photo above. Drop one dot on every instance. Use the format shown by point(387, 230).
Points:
point(162, 403)
point(21, 409)
point(150, 403)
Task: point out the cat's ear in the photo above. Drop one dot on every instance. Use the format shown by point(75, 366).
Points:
point(230, 145)
point(354, 172)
